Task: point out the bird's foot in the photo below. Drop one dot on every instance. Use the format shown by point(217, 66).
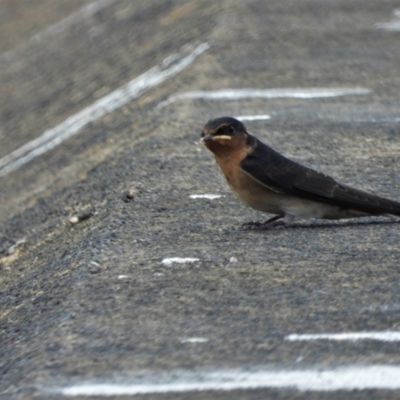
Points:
point(272, 223)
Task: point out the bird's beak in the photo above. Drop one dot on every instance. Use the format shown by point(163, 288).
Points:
point(209, 138)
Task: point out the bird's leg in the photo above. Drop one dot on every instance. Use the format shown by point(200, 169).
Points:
point(269, 224)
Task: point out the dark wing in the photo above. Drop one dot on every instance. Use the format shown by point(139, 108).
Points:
point(285, 176)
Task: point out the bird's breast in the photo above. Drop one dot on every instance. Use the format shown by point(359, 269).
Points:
point(247, 189)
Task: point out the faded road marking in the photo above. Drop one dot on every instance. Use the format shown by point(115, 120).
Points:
point(393, 25)
point(178, 260)
point(85, 12)
point(253, 117)
point(354, 377)
point(384, 336)
point(194, 340)
point(206, 196)
point(239, 94)
point(114, 100)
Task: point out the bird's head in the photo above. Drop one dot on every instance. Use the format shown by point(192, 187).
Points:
point(224, 134)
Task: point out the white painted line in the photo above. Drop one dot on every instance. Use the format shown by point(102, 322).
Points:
point(253, 117)
point(194, 340)
point(122, 276)
point(389, 26)
point(85, 12)
point(169, 261)
point(239, 94)
point(378, 120)
point(384, 336)
point(206, 196)
point(393, 25)
point(355, 377)
point(114, 100)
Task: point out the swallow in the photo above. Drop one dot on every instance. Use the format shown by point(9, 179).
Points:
point(267, 181)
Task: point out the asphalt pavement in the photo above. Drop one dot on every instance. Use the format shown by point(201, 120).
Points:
point(122, 258)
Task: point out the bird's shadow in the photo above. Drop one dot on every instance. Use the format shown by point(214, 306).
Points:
point(324, 225)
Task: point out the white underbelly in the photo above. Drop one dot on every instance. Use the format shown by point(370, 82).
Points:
point(267, 201)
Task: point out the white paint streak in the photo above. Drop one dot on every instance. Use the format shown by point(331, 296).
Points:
point(377, 120)
point(114, 100)
point(389, 26)
point(194, 340)
point(85, 12)
point(169, 261)
point(240, 94)
point(384, 336)
point(356, 377)
point(122, 276)
point(253, 117)
point(393, 25)
point(206, 196)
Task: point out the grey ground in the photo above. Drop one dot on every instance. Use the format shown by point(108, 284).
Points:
point(64, 313)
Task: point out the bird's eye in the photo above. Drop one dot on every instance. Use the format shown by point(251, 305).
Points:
point(230, 129)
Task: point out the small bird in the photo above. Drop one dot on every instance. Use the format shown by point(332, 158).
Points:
point(269, 182)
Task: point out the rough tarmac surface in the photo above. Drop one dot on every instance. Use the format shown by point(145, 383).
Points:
point(93, 299)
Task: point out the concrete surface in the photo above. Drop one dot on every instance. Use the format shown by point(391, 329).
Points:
point(93, 300)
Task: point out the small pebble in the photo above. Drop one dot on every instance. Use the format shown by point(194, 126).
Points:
point(79, 218)
point(11, 250)
point(94, 267)
point(127, 196)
